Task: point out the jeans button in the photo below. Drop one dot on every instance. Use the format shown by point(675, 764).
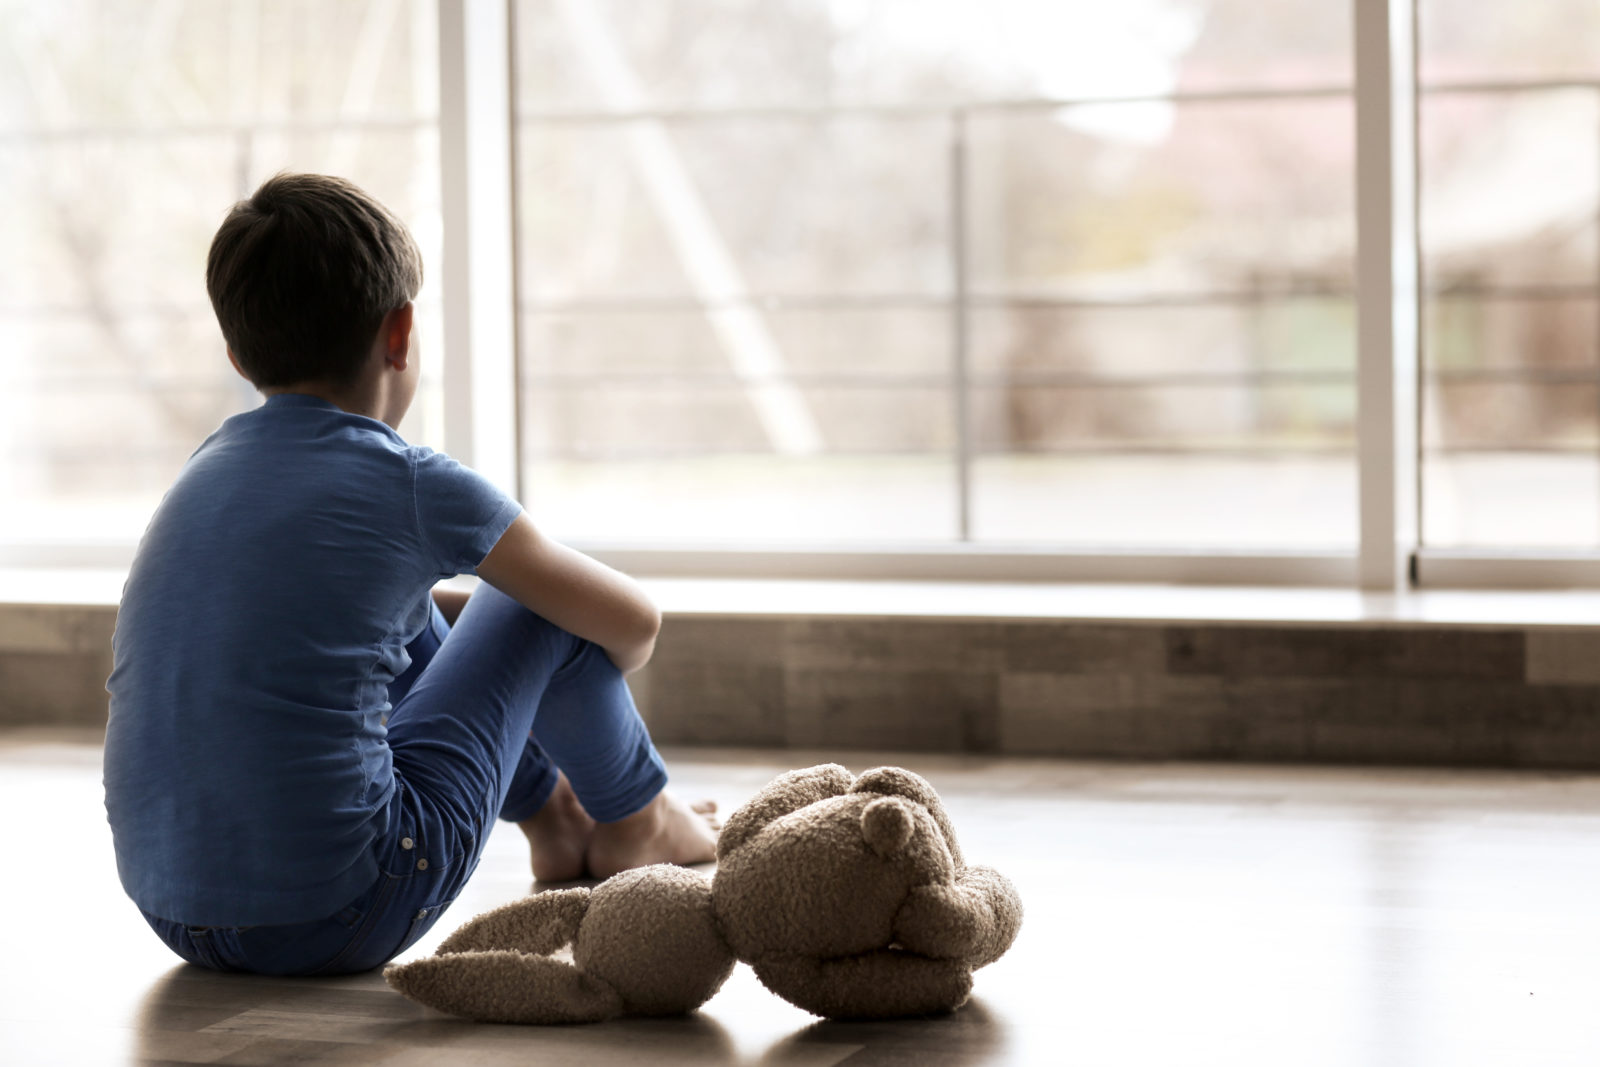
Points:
point(422, 865)
point(407, 844)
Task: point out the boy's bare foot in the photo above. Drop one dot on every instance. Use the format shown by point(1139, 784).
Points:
point(667, 830)
point(559, 835)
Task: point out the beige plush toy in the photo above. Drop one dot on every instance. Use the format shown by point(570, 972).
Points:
point(849, 898)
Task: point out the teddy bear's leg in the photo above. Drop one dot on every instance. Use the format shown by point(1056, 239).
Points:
point(538, 925)
point(975, 920)
point(784, 794)
point(883, 984)
point(506, 987)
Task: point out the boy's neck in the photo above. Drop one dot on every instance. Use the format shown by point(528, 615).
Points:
point(360, 398)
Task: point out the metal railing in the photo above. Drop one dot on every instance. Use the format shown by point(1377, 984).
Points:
point(958, 302)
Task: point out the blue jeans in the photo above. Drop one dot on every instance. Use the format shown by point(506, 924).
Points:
point(481, 720)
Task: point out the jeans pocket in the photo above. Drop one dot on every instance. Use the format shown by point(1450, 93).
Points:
point(370, 919)
point(218, 948)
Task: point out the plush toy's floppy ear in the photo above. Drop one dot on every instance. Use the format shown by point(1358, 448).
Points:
point(506, 987)
point(899, 782)
point(541, 924)
point(784, 794)
point(498, 968)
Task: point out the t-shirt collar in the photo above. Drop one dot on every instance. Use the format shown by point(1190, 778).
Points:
point(299, 400)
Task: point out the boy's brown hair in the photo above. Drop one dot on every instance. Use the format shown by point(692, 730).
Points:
point(301, 275)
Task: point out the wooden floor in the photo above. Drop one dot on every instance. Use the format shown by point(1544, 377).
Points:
point(1176, 914)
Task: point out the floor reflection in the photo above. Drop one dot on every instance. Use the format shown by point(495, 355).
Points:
point(197, 1016)
point(970, 1035)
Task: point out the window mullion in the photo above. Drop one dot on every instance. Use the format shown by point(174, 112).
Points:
point(1386, 289)
point(475, 190)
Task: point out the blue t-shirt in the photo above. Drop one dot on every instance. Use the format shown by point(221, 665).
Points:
point(269, 606)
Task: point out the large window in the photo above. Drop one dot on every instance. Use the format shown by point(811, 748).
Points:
point(891, 270)
point(1058, 284)
point(127, 131)
point(1510, 166)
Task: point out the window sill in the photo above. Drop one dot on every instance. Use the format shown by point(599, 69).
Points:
point(978, 600)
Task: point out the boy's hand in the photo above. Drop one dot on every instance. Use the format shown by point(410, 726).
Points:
point(581, 595)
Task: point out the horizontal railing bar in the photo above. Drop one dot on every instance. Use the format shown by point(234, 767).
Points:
point(1508, 85)
point(337, 124)
point(1073, 379)
point(980, 108)
point(98, 456)
point(929, 301)
point(876, 301)
point(217, 128)
point(942, 380)
point(1263, 377)
point(1553, 291)
point(1584, 449)
point(1514, 375)
point(979, 452)
point(935, 110)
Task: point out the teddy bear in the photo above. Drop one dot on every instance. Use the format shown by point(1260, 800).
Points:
point(849, 897)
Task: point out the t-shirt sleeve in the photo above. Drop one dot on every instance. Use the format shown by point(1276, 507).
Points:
point(460, 513)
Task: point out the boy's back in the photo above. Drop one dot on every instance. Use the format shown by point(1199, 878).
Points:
point(275, 591)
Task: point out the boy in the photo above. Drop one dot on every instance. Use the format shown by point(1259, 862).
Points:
point(306, 751)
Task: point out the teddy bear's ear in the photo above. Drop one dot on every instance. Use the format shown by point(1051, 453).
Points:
point(506, 987)
point(899, 782)
point(886, 825)
point(540, 924)
point(784, 794)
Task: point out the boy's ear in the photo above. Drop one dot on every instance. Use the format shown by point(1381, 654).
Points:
point(395, 336)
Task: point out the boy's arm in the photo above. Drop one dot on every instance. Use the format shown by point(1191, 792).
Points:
point(581, 595)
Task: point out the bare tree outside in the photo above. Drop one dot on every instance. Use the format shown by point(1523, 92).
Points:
point(129, 130)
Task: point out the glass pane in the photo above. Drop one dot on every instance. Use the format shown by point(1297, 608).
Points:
point(736, 53)
point(881, 343)
point(1510, 181)
point(768, 236)
point(1287, 44)
point(1167, 465)
point(1507, 335)
point(719, 209)
point(124, 64)
point(130, 130)
point(1478, 39)
point(1157, 501)
point(1246, 336)
point(1528, 500)
point(1511, 415)
point(654, 463)
point(1510, 178)
point(1247, 418)
point(1511, 463)
point(1203, 197)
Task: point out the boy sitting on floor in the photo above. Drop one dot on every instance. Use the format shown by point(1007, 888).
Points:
point(306, 750)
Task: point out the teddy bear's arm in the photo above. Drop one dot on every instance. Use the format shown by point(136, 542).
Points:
point(974, 920)
point(784, 794)
point(537, 925)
